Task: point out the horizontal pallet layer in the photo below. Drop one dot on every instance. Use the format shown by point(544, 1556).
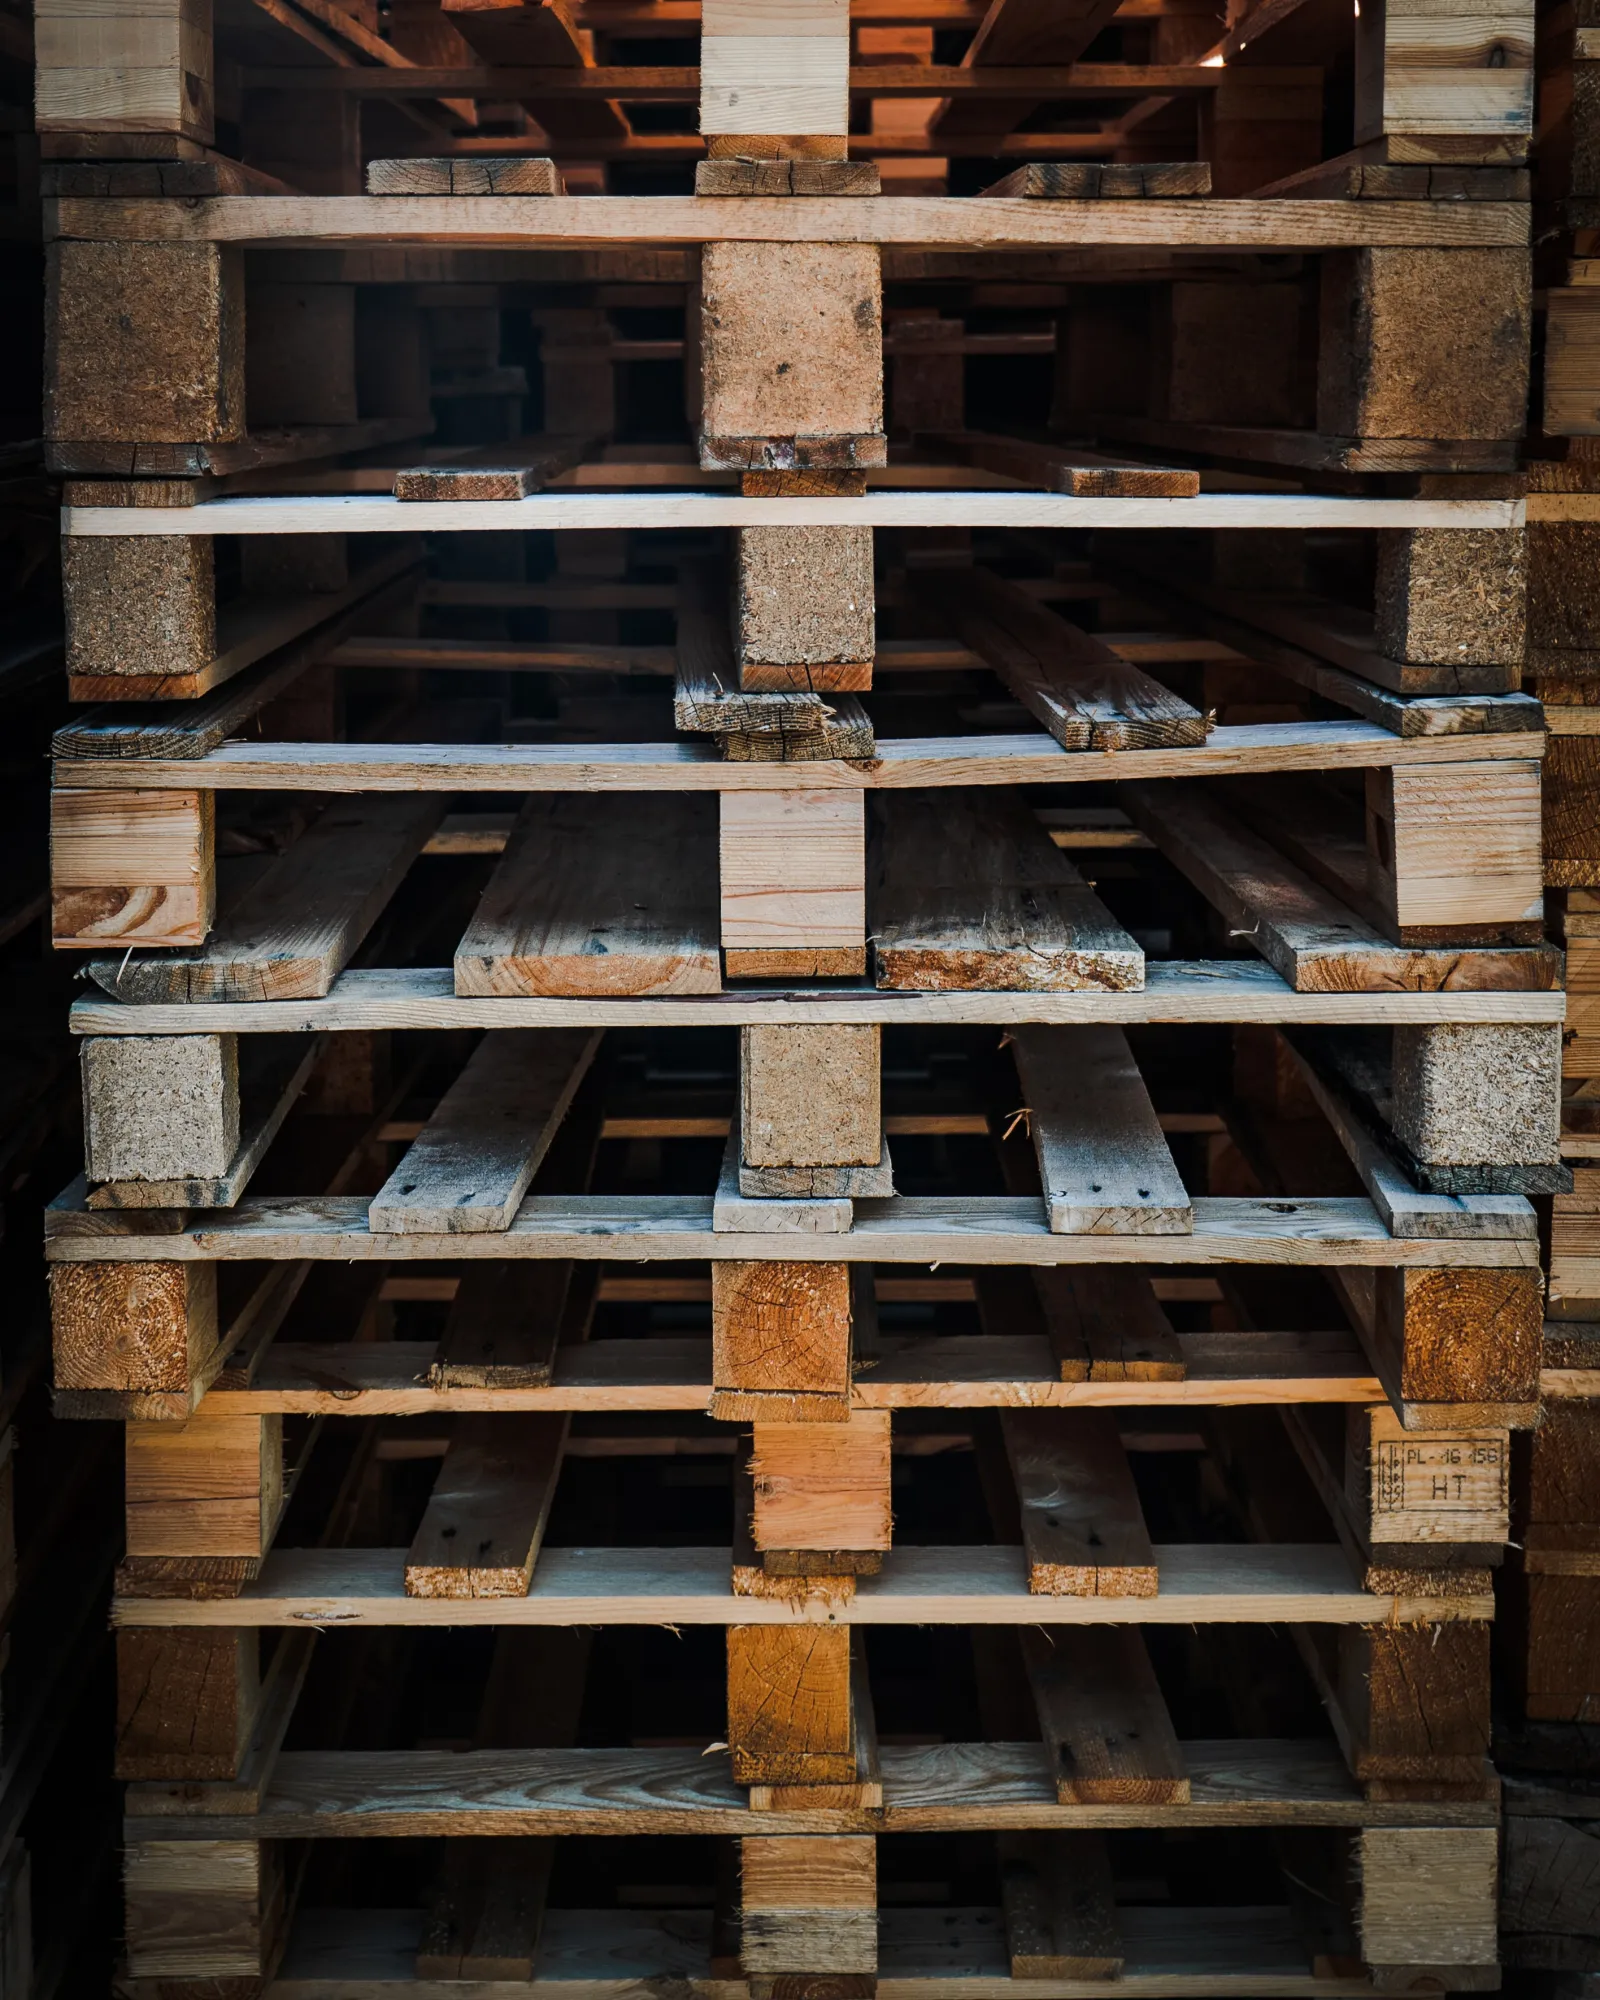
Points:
point(910, 763)
point(1263, 1584)
point(379, 514)
point(974, 224)
point(1311, 1232)
point(1171, 1954)
point(1177, 991)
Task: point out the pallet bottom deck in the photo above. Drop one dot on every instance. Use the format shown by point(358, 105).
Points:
point(951, 1953)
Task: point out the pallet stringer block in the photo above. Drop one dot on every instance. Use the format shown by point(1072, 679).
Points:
point(131, 868)
point(794, 884)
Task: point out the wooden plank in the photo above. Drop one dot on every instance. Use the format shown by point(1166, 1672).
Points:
point(505, 471)
point(1268, 1583)
point(570, 910)
point(487, 1912)
point(486, 1516)
point(1110, 1321)
point(1083, 693)
point(1090, 180)
point(900, 765)
point(1326, 1232)
point(1175, 990)
point(1314, 941)
point(968, 893)
point(919, 222)
point(273, 1076)
point(783, 71)
point(503, 1327)
point(793, 882)
point(470, 1166)
point(735, 1212)
point(1060, 1906)
point(295, 927)
point(1104, 1163)
point(1083, 1529)
point(1063, 468)
point(1405, 1210)
point(1104, 1719)
point(809, 1903)
point(523, 174)
point(923, 506)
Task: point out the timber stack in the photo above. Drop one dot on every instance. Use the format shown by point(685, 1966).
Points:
point(819, 1042)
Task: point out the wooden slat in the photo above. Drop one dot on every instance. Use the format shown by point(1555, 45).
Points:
point(1113, 1318)
point(504, 1324)
point(1083, 1530)
point(509, 471)
point(1103, 1159)
point(455, 175)
point(1061, 468)
point(1317, 943)
point(487, 1910)
point(1315, 1232)
point(486, 1515)
point(1060, 1906)
point(967, 892)
point(615, 896)
point(294, 929)
point(1092, 180)
point(470, 1166)
point(1103, 1718)
point(1082, 692)
point(1268, 1583)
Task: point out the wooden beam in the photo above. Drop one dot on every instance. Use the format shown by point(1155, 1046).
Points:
point(1106, 1730)
point(1083, 1529)
point(486, 1516)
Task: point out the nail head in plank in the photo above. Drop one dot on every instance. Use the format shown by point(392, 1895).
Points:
point(1103, 1159)
point(470, 1167)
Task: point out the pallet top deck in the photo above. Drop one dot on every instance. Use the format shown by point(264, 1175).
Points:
point(1318, 1232)
point(1257, 1583)
point(525, 222)
point(1177, 991)
point(380, 514)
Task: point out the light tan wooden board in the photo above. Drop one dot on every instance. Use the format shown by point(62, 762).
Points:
point(375, 514)
point(403, 1378)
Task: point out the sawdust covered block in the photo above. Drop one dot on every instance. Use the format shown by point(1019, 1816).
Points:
point(139, 604)
point(1479, 1093)
point(145, 343)
point(1424, 343)
point(791, 355)
point(804, 604)
point(1452, 597)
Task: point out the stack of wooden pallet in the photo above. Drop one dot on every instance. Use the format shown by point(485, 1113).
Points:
point(763, 1344)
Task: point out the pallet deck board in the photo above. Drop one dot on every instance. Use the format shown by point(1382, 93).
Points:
point(1175, 990)
point(1255, 1583)
point(396, 1377)
point(905, 1229)
point(535, 222)
point(917, 762)
point(367, 513)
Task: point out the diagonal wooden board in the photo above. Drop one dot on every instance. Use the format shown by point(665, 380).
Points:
point(1103, 1160)
point(468, 1169)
